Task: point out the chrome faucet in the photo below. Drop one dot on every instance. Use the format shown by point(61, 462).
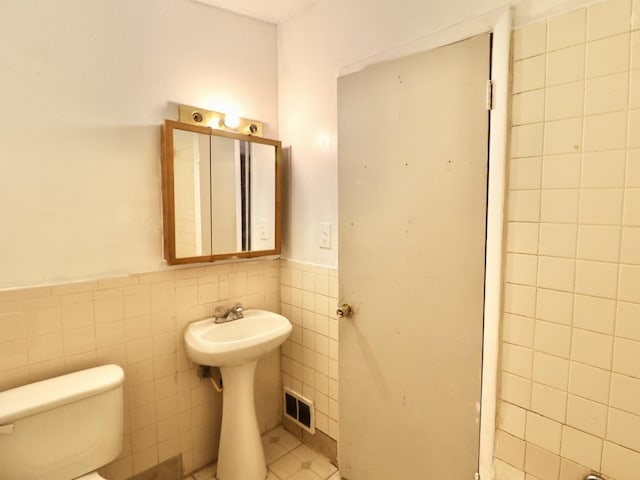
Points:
point(223, 314)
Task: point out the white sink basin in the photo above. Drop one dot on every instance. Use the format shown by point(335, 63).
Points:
point(235, 347)
point(238, 341)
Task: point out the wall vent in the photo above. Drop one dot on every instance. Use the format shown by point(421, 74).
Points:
point(300, 410)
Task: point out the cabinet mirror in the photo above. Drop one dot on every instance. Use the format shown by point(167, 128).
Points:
point(221, 194)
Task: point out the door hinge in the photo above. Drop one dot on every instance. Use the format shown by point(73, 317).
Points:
point(489, 97)
point(477, 475)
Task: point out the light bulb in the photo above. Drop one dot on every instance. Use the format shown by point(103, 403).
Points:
point(231, 121)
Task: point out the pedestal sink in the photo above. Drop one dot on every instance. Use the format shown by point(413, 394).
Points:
point(235, 347)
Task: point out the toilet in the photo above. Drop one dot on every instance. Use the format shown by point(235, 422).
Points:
point(63, 428)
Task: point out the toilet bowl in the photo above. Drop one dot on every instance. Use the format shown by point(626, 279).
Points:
point(64, 428)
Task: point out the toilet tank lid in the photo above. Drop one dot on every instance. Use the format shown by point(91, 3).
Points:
point(36, 397)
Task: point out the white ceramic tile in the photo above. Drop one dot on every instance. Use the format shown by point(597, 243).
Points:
point(529, 41)
point(272, 452)
point(42, 348)
point(524, 206)
point(504, 471)
point(587, 416)
point(600, 243)
point(629, 289)
point(14, 355)
point(525, 173)
point(559, 206)
point(521, 269)
point(581, 447)
point(635, 45)
point(607, 94)
point(522, 237)
point(510, 449)
point(625, 357)
point(518, 330)
point(526, 140)
point(595, 314)
point(625, 393)
point(558, 240)
point(592, 348)
point(517, 360)
point(511, 419)
point(567, 30)
point(566, 65)
point(623, 429)
point(607, 56)
point(543, 432)
point(541, 463)
point(634, 129)
point(561, 171)
point(529, 74)
point(556, 273)
point(528, 107)
point(549, 402)
point(605, 132)
point(286, 466)
point(563, 136)
point(603, 169)
point(608, 18)
point(515, 390)
point(589, 382)
point(554, 306)
point(601, 206)
point(631, 215)
point(628, 321)
point(619, 462)
point(322, 467)
point(596, 278)
point(630, 245)
point(550, 370)
point(553, 339)
point(519, 299)
point(564, 101)
point(12, 326)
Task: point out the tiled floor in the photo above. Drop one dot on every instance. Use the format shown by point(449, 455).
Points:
point(287, 459)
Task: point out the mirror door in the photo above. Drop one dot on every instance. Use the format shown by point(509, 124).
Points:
point(221, 194)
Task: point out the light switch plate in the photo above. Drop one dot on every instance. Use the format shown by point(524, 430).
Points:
point(325, 235)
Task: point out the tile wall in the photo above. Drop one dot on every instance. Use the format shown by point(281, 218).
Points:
point(137, 322)
point(570, 357)
point(310, 356)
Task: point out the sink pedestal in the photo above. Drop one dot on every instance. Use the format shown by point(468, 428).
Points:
point(240, 456)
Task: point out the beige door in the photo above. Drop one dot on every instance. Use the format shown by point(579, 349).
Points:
point(413, 165)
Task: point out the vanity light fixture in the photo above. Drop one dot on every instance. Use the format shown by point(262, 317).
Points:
point(219, 121)
point(231, 121)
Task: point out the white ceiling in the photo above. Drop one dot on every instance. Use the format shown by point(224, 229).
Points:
point(268, 10)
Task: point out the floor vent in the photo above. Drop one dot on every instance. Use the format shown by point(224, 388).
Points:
point(300, 410)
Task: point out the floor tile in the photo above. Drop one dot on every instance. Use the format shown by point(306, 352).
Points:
point(286, 466)
point(304, 475)
point(287, 459)
point(305, 453)
point(207, 473)
point(322, 467)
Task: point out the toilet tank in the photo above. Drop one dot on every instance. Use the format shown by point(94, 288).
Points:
point(61, 428)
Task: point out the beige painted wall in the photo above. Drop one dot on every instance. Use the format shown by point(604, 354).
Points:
point(570, 381)
point(86, 85)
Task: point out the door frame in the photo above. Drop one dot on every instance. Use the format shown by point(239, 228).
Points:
point(498, 22)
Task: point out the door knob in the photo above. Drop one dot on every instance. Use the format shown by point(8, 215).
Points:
point(344, 310)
